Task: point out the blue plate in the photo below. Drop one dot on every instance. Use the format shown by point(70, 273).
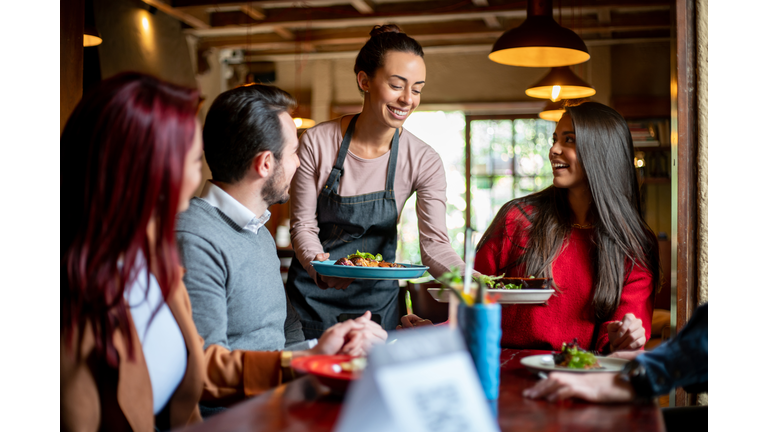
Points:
point(328, 268)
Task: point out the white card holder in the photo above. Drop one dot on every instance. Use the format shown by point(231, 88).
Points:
point(424, 381)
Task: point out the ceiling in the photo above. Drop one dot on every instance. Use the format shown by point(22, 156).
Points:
point(280, 29)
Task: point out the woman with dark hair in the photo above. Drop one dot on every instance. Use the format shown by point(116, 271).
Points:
point(355, 175)
point(587, 233)
point(131, 357)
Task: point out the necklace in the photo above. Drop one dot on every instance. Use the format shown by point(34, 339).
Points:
point(585, 226)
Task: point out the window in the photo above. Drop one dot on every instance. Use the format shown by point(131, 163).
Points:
point(509, 159)
point(444, 131)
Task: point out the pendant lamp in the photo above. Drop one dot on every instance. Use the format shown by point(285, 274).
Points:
point(553, 111)
point(539, 41)
point(560, 83)
point(91, 36)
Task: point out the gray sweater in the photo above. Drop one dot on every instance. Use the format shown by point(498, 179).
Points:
point(233, 279)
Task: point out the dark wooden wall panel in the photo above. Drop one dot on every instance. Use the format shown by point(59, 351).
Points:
point(687, 133)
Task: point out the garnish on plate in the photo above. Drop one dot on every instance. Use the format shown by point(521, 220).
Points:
point(572, 356)
point(365, 259)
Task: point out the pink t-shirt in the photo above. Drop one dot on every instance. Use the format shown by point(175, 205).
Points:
point(419, 169)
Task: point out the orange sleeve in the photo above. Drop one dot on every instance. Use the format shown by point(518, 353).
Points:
point(232, 375)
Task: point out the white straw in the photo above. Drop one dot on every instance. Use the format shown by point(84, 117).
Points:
point(469, 259)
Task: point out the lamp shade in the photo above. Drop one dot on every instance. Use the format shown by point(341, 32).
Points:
point(560, 83)
point(91, 37)
point(553, 111)
point(539, 41)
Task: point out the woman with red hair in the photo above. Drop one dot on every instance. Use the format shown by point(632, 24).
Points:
point(129, 348)
point(131, 357)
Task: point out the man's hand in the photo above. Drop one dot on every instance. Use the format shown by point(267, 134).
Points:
point(360, 342)
point(354, 337)
point(627, 334)
point(410, 321)
point(326, 282)
point(597, 387)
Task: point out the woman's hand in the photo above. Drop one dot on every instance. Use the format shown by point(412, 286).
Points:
point(598, 387)
point(627, 334)
point(410, 321)
point(326, 282)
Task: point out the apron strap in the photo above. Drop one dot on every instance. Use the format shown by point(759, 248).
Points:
point(332, 184)
point(390, 191)
point(334, 179)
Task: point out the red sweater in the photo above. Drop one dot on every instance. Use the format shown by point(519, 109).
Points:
point(569, 313)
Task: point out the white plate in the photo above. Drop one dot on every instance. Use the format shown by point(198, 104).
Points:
point(521, 296)
point(545, 363)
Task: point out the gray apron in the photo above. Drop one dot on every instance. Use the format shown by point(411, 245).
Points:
point(367, 223)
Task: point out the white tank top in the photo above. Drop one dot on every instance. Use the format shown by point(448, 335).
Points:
point(163, 344)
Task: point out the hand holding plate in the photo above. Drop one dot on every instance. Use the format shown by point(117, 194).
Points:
point(326, 282)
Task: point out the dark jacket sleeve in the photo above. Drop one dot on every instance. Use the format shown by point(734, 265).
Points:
point(682, 361)
point(293, 329)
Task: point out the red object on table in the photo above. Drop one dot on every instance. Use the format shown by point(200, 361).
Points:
point(305, 404)
point(327, 369)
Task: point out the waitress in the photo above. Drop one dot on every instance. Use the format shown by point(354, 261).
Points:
point(355, 175)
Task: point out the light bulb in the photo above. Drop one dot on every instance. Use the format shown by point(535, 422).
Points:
point(555, 93)
point(145, 23)
point(297, 121)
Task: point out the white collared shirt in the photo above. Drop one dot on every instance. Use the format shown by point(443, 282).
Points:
point(234, 210)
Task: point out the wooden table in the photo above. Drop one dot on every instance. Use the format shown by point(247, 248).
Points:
point(306, 405)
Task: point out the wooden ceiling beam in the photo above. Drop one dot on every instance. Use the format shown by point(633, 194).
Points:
point(256, 13)
point(365, 7)
point(182, 16)
point(358, 38)
point(231, 24)
point(284, 33)
point(351, 52)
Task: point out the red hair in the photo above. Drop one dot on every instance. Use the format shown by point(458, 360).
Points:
point(123, 153)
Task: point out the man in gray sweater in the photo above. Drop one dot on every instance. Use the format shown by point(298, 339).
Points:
point(232, 269)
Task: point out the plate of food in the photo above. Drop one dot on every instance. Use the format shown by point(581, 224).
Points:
point(508, 290)
point(334, 371)
point(363, 265)
point(572, 358)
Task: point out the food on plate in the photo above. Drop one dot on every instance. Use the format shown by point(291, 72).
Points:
point(355, 365)
point(365, 259)
point(510, 283)
point(571, 356)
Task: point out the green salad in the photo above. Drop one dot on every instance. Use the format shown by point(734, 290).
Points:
point(366, 255)
point(573, 357)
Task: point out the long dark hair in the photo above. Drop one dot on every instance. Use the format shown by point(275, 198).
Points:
point(384, 39)
point(123, 154)
point(621, 236)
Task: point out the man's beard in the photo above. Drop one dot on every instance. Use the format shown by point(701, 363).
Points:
point(274, 192)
